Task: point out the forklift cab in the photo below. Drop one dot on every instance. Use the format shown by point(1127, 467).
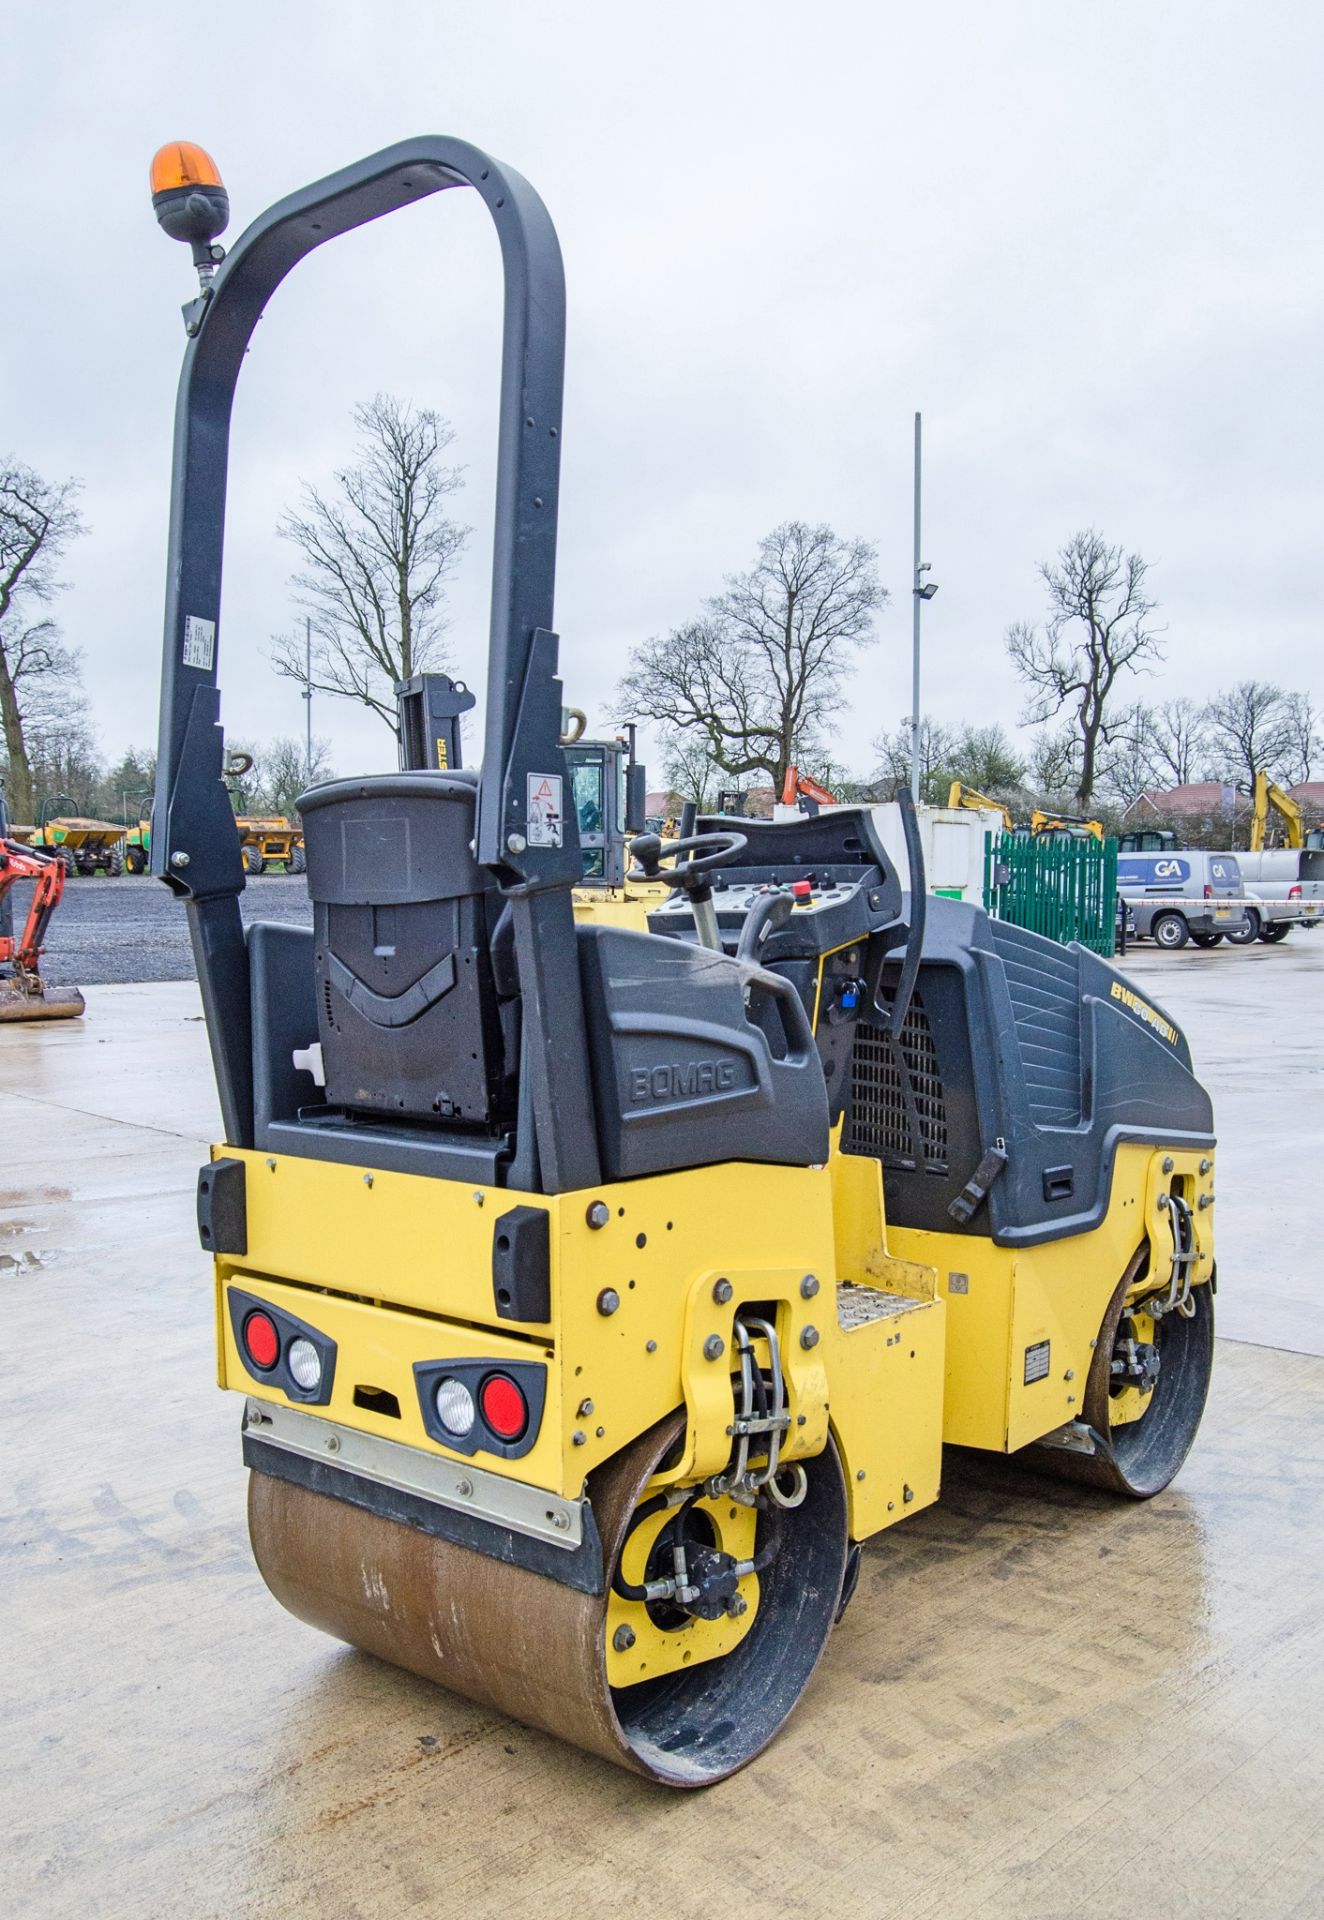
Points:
point(607, 792)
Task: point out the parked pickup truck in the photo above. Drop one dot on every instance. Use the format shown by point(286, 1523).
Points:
point(1284, 888)
point(1171, 898)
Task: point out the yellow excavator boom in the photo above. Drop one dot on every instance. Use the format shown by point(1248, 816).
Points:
point(960, 796)
point(1269, 797)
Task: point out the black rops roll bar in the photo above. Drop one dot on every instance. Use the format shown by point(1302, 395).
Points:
point(526, 834)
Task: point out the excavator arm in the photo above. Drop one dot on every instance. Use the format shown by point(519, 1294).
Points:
point(1270, 798)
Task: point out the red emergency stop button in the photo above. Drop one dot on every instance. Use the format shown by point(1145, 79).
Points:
point(802, 889)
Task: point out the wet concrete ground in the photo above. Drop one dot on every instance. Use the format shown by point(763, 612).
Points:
point(1040, 1703)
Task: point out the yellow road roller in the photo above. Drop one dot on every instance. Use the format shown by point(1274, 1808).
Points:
point(596, 1290)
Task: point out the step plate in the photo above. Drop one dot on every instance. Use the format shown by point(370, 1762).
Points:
point(857, 1306)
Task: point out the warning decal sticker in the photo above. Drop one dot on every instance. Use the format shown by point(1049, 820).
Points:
point(544, 819)
point(199, 642)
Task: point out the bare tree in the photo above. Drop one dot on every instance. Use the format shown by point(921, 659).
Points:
point(1096, 631)
point(937, 749)
point(1055, 762)
point(284, 772)
point(1178, 735)
point(1303, 725)
point(759, 674)
point(39, 690)
point(376, 553)
point(1251, 730)
point(690, 771)
point(984, 758)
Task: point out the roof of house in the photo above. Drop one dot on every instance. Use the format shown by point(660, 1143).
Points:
point(1197, 796)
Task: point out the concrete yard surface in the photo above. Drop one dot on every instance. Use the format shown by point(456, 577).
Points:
point(1041, 1703)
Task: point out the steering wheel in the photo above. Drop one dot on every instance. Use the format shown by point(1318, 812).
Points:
point(649, 850)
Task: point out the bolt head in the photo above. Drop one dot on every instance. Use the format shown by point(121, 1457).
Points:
point(464, 1488)
point(737, 1605)
point(1168, 1163)
point(578, 1439)
point(714, 1347)
point(722, 1291)
point(623, 1639)
point(561, 1521)
point(599, 1213)
point(650, 1346)
point(179, 860)
point(608, 1301)
point(515, 843)
point(808, 1287)
point(585, 1409)
point(333, 1444)
point(809, 1337)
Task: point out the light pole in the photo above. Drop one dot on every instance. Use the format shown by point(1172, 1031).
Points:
point(921, 590)
point(308, 697)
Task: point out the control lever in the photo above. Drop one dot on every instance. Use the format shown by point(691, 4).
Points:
point(768, 913)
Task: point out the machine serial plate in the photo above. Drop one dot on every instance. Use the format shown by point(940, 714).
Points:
point(454, 1484)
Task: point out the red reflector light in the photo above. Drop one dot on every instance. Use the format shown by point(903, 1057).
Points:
point(261, 1340)
point(504, 1407)
point(1294, 893)
point(1208, 891)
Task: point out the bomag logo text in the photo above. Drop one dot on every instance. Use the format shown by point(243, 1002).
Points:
point(690, 1081)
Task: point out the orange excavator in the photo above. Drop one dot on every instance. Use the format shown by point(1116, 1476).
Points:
point(800, 790)
point(24, 995)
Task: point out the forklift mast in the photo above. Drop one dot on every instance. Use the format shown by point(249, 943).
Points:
point(526, 834)
point(428, 709)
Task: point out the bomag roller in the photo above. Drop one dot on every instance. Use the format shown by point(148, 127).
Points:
point(596, 1292)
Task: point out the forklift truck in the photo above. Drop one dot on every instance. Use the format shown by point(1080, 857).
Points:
point(594, 1290)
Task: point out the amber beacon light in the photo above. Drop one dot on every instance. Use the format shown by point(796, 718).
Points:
point(190, 201)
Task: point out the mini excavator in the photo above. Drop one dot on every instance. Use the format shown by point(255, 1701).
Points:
point(596, 1291)
point(24, 995)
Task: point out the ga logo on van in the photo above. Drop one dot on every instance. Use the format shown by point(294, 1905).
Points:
point(1169, 869)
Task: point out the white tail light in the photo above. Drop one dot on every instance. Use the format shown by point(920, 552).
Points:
point(305, 1364)
point(455, 1407)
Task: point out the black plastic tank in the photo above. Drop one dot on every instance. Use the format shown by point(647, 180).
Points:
point(403, 922)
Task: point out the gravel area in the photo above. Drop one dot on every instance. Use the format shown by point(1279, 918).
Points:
point(132, 928)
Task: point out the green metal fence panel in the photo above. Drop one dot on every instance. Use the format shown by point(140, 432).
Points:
point(1064, 889)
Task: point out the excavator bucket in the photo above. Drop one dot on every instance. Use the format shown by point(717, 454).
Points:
point(45, 1003)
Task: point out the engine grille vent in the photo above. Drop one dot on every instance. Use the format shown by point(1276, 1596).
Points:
point(897, 1111)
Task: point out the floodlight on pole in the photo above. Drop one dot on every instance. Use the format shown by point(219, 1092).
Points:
point(921, 590)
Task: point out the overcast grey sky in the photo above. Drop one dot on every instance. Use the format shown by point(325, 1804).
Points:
point(1085, 240)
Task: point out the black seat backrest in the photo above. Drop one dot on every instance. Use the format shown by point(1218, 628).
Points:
point(409, 1014)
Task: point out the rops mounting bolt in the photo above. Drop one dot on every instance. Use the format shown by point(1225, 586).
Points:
point(809, 1337)
point(599, 1213)
point(608, 1300)
point(722, 1291)
point(714, 1347)
point(808, 1287)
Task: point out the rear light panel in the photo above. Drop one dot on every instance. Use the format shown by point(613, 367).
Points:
point(279, 1350)
point(1294, 893)
point(482, 1406)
